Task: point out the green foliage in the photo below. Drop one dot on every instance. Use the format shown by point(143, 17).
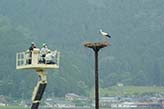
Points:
point(13, 107)
point(131, 91)
point(135, 57)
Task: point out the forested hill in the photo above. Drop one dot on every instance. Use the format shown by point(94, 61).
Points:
point(136, 56)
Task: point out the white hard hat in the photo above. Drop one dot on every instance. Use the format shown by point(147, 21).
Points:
point(44, 44)
point(49, 51)
point(33, 43)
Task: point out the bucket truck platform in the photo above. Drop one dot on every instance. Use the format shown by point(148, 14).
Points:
point(33, 60)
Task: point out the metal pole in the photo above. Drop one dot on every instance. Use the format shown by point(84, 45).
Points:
point(96, 47)
point(96, 80)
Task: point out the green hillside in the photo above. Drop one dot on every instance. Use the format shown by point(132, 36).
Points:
point(134, 59)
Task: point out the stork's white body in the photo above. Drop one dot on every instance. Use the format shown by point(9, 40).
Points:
point(104, 34)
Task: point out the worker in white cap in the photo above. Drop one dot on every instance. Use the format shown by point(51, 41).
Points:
point(44, 51)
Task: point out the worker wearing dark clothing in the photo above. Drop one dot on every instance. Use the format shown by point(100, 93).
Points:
point(32, 46)
point(31, 49)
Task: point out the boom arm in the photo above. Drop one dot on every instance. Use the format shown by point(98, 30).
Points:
point(39, 89)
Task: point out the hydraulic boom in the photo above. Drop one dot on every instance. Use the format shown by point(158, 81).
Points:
point(39, 89)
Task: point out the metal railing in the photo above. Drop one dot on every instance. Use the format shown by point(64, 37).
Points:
point(24, 58)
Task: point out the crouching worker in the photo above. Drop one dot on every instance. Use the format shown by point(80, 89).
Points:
point(50, 57)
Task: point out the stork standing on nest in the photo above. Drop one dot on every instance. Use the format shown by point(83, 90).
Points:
point(105, 34)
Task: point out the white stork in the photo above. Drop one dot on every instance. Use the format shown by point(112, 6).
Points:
point(104, 33)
